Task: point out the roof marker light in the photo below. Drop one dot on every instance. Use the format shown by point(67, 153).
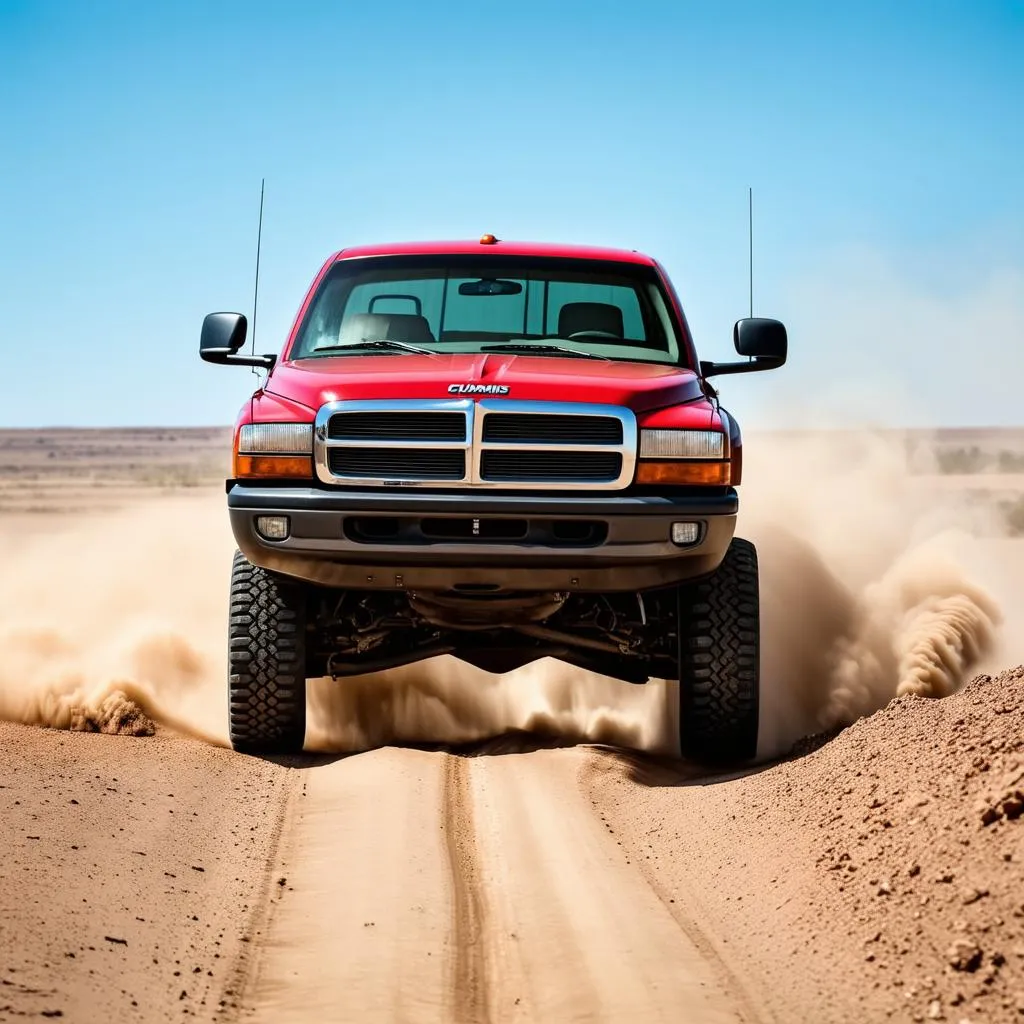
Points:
point(488, 239)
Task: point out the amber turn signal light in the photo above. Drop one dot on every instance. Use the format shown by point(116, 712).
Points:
point(273, 467)
point(680, 471)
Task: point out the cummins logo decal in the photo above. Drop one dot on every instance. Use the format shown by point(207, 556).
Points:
point(477, 389)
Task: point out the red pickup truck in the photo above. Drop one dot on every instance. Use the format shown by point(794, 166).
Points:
point(498, 451)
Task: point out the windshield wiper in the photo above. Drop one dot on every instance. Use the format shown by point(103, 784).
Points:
point(561, 349)
point(378, 343)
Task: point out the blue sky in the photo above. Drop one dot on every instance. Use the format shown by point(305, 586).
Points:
point(884, 143)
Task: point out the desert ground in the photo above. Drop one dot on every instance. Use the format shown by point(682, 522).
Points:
point(456, 847)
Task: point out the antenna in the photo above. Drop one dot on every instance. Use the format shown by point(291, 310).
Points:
point(256, 289)
point(750, 226)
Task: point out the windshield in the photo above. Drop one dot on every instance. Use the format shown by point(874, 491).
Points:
point(544, 306)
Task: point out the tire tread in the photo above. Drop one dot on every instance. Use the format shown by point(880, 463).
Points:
point(266, 661)
point(719, 660)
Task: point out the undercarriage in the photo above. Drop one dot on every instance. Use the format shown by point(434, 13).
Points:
point(629, 636)
point(703, 633)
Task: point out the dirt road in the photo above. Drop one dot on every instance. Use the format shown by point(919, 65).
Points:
point(161, 877)
point(488, 890)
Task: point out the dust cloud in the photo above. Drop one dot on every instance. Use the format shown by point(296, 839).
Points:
point(447, 701)
point(117, 623)
point(112, 623)
point(876, 581)
point(872, 586)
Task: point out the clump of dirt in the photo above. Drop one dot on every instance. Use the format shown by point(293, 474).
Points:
point(115, 715)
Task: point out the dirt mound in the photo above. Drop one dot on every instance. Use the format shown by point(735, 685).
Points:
point(917, 814)
point(879, 877)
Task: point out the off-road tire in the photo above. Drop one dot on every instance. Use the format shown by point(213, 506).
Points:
point(719, 661)
point(266, 661)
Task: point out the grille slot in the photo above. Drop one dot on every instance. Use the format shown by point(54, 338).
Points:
point(550, 466)
point(579, 531)
point(372, 529)
point(546, 428)
point(397, 463)
point(397, 426)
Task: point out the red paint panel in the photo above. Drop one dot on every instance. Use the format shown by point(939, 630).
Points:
point(500, 248)
point(693, 416)
point(265, 407)
point(639, 386)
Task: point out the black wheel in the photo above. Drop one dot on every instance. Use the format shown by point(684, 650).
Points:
point(266, 661)
point(719, 661)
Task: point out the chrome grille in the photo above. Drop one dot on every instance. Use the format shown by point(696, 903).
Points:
point(397, 463)
point(493, 442)
point(539, 427)
point(551, 466)
point(397, 426)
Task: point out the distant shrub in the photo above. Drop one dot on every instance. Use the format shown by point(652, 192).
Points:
point(962, 460)
point(1010, 462)
point(956, 461)
point(1013, 514)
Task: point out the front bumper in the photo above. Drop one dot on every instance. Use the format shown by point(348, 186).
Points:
point(630, 546)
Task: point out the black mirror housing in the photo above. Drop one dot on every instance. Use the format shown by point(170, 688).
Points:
point(223, 334)
point(222, 337)
point(764, 342)
point(761, 338)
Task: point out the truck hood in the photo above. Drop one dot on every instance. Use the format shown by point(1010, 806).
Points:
point(641, 387)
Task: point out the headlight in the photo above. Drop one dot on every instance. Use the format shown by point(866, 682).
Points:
point(682, 444)
point(274, 451)
point(277, 438)
point(683, 457)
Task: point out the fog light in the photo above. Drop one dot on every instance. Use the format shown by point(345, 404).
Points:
point(685, 533)
point(274, 527)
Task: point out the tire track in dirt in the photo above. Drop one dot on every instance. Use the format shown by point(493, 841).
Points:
point(574, 930)
point(362, 929)
point(468, 987)
point(687, 906)
point(260, 915)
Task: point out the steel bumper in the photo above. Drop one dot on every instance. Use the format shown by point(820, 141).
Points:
point(634, 552)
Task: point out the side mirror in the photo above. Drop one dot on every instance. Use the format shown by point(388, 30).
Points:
point(760, 338)
point(222, 337)
point(763, 341)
